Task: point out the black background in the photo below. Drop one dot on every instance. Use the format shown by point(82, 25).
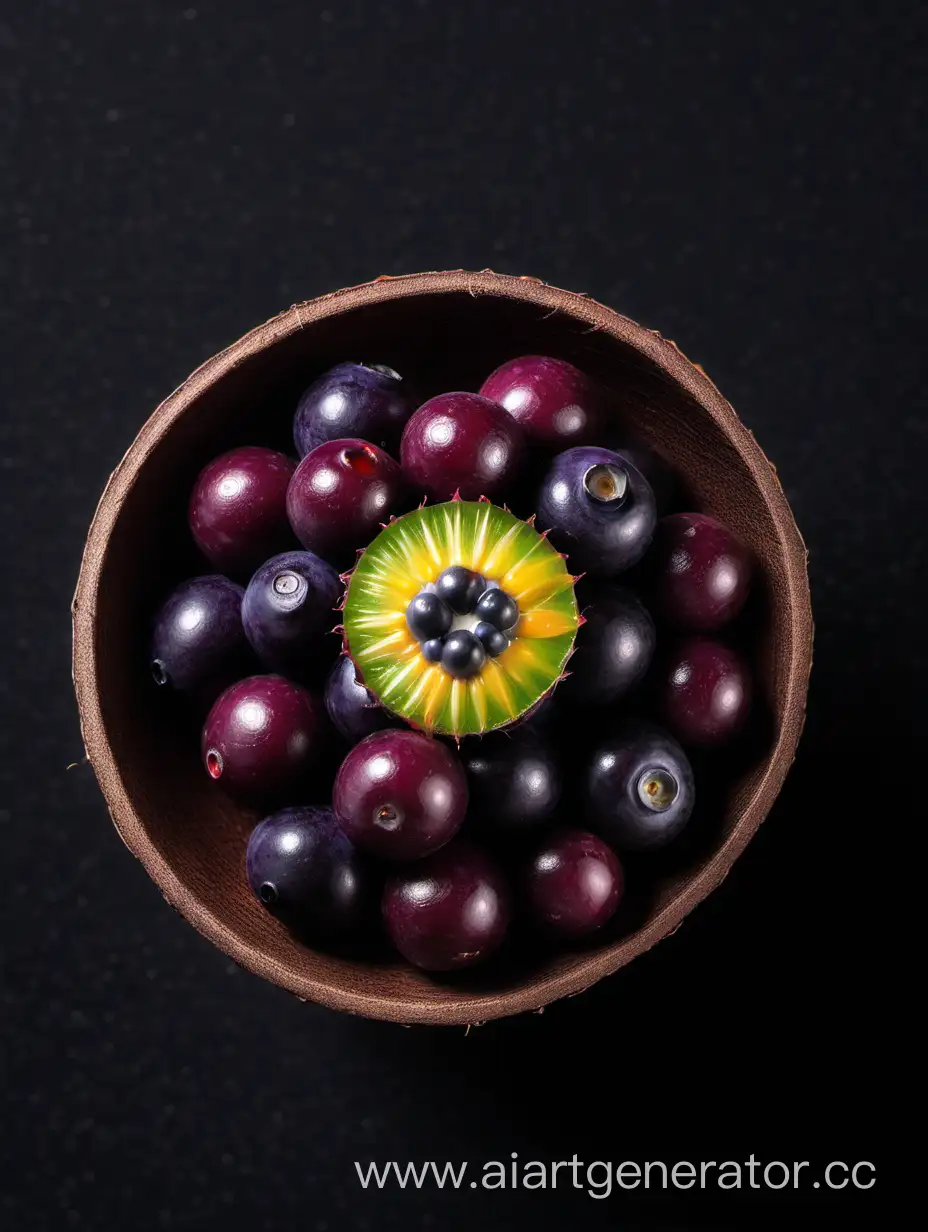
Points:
point(744, 178)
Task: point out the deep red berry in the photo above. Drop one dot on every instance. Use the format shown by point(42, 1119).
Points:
point(704, 691)
point(573, 883)
point(700, 572)
point(260, 739)
point(448, 911)
point(400, 795)
point(238, 509)
point(340, 495)
point(552, 401)
point(460, 442)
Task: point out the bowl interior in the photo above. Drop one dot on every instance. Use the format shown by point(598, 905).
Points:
point(447, 340)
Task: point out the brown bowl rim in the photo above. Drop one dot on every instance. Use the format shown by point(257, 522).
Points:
point(589, 968)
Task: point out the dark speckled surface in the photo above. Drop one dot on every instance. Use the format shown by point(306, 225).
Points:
point(748, 184)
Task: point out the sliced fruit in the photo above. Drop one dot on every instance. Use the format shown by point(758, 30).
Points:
point(406, 561)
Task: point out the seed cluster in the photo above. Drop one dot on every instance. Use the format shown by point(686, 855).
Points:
point(462, 620)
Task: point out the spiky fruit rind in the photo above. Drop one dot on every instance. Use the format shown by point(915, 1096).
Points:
point(411, 552)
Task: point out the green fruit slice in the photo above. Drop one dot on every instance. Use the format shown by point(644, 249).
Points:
point(409, 554)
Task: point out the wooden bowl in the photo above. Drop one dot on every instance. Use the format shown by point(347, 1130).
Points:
point(449, 330)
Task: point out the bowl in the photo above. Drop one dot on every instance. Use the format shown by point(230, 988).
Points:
point(448, 329)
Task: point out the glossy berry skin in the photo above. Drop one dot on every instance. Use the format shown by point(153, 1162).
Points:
point(449, 911)
point(614, 650)
point(491, 639)
point(353, 709)
point(428, 616)
point(498, 609)
point(289, 601)
point(460, 442)
point(369, 401)
point(433, 649)
point(599, 508)
point(514, 781)
point(340, 495)
point(198, 645)
point(463, 654)
point(460, 588)
point(238, 509)
point(639, 786)
point(573, 883)
point(400, 795)
point(700, 572)
point(704, 692)
point(305, 870)
point(554, 403)
point(260, 738)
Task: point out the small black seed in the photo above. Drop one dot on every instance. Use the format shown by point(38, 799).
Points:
point(428, 616)
point(493, 641)
point(497, 608)
point(432, 649)
point(463, 655)
point(460, 588)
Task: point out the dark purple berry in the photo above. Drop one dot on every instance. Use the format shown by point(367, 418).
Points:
point(599, 508)
point(514, 781)
point(491, 639)
point(198, 645)
point(460, 442)
point(448, 911)
point(288, 602)
point(463, 654)
point(238, 509)
point(573, 883)
point(497, 608)
point(428, 616)
point(400, 795)
point(460, 588)
point(341, 494)
point(704, 691)
point(614, 650)
point(304, 869)
point(700, 572)
point(553, 402)
point(353, 709)
point(433, 649)
point(369, 401)
point(260, 738)
point(640, 788)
